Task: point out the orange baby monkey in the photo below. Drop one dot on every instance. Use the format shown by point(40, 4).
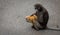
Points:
point(33, 19)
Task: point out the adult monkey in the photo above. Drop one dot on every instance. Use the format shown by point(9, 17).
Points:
point(42, 16)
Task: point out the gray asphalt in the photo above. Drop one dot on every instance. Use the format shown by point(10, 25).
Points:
point(13, 12)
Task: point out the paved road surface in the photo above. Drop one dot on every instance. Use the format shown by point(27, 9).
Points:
point(13, 12)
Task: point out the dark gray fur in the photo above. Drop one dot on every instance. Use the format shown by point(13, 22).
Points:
point(42, 15)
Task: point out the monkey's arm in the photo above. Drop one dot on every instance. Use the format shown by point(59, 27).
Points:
point(34, 14)
point(45, 17)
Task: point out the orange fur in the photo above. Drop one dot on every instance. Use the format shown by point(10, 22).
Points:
point(31, 18)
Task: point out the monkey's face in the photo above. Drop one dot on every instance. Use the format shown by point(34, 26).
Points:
point(38, 7)
point(28, 19)
point(31, 18)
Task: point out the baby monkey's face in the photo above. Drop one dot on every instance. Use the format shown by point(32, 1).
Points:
point(31, 18)
point(27, 18)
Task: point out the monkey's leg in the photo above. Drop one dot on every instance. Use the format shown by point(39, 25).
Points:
point(44, 26)
point(33, 27)
point(36, 28)
point(36, 25)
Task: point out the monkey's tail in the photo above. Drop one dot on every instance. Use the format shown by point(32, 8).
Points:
point(55, 29)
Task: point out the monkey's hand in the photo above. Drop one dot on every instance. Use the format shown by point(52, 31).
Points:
point(33, 14)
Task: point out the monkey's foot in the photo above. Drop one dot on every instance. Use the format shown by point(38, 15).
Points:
point(35, 28)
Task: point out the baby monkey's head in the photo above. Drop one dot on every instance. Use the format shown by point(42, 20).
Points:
point(31, 18)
